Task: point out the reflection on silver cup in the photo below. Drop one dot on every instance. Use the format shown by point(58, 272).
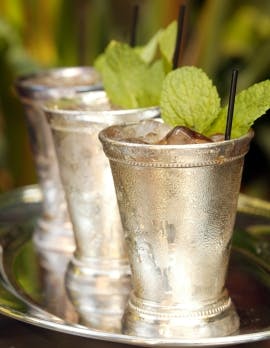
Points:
point(54, 229)
point(100, 301)
point(178, 205)
point(52, 265)
point(100, 262)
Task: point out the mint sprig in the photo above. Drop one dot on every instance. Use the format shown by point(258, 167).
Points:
point(189, 99)
point(133, 77)
point(141, 77)
point(249, 105)
point(128, 80)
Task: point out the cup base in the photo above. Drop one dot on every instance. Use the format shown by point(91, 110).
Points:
point(53, 235)
point(98, 293)
point(219, 319)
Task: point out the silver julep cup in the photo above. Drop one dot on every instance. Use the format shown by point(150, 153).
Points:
point(54, 228)
point(99, 268)
point(178, 205)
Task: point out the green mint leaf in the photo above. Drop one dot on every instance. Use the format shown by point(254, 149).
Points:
point(249, 105)
point(121, 74)
point(167, 39)
point(153, 84)
point(149, 51)
point(188, 98)
point(100, 62)
point(133, 77)
point(162, 42)
point(127, 79)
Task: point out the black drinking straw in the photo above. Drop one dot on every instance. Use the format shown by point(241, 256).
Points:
point(135, 15)
point(180, 27)
point(231, 105)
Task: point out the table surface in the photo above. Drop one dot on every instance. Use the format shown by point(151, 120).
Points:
point(16, 334)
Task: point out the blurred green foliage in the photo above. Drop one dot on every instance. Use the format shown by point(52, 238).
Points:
point(219, 35)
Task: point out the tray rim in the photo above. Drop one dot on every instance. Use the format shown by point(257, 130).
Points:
point(82, 331)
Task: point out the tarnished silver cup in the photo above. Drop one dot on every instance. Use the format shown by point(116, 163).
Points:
point(178, 205)
point(98, 277)
point(54, 229)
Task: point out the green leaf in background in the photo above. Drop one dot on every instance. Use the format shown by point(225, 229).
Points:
point(189, 99)
point(247, 27)
point(249, 105)
point(167, 39)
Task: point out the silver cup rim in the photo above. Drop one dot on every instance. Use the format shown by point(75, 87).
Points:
point(25, 89)
point(174, 156)
point(50, 107)
point(104, 138)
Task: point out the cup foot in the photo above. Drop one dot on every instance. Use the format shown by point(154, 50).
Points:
point(221, 320)
point(98, 293)
point(53, 235)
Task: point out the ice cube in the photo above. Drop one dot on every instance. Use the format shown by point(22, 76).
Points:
point(217, 137)
point(151, 131)
point(136, 141)
point(144, 132)
point(158, 133)
point(181, 135)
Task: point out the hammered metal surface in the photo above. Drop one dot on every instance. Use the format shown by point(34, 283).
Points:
point(178, 206)
point(54, 230)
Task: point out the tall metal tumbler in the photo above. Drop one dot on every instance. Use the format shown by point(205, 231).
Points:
point(54, 228)
point(178, 205)
point(98, 277)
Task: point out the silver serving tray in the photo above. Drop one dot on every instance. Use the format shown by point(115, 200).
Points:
point(32, 282)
